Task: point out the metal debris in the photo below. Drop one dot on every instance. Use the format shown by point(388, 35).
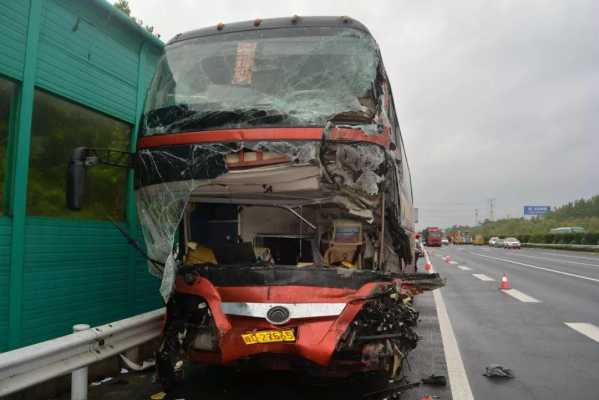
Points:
point(435, 380)
point(391, 392)
point(146, 364)
point(498, 371)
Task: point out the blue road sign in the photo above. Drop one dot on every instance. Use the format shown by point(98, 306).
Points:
point(536, 210)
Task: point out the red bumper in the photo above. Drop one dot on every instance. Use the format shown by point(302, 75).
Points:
point(316, 338)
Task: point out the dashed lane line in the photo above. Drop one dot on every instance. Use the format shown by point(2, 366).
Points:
point(588, 278)
point(483, 277)
point(589, 330)
point(458, 380)
point(515, 293)
point(453, 262)
point(464, 268)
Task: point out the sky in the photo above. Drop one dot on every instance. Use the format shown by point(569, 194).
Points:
point(496, 100)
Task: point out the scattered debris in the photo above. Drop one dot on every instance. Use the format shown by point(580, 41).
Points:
point(102, 381)
point(392, 392)
point(158, 396)
point(146, 364)
point(435, 380)
point(384, 331)
point(498, 371)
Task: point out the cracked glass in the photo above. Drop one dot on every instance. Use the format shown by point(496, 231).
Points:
point(264, 78)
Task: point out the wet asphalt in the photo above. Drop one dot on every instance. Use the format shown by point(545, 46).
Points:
point(550, 360)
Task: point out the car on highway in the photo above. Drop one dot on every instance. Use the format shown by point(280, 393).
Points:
point(511, 243)
point(499, 242)
point(445, 241)
point(492, 241)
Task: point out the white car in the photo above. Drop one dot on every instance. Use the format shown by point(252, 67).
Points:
point(492, 241)
point(511, 243)
point(444, 241)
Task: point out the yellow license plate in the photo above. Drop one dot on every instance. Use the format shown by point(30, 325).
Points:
point(287, 335)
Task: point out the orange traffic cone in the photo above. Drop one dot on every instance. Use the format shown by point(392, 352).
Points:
point(505, 283)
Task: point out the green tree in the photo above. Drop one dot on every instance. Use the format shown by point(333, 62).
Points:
point(125, 7)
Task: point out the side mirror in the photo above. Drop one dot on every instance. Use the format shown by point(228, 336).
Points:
point(76, 172)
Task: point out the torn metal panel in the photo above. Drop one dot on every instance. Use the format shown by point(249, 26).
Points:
point(168, 178)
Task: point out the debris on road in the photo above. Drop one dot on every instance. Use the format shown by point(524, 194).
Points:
point(498, 371)
point(146, 364)
point(391, 392)
point(158, 396)
point(102, 381)
point(435, 380)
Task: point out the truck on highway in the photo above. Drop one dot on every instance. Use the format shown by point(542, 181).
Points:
point(455, 237)
point(275, 199)
point(432, 236)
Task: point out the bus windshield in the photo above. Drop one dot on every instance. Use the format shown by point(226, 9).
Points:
point(265, 78)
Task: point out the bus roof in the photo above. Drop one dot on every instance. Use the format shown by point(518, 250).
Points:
point(273, 23)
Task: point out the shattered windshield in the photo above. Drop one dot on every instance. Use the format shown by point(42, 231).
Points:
point(264, 78)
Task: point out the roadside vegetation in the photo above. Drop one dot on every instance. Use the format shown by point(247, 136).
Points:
point(583, 213)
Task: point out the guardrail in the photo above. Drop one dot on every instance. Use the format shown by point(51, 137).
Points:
point(28, 366)
point(576, 247)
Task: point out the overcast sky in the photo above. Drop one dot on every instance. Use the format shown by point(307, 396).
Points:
point(496, 99)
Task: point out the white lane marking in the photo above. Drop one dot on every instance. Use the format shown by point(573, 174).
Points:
point(524, 298)
point(458, 380)
point(589, 330)
point(453, 262)
point(555, 260)
point(464, 268)
point(541, 268)
point(483, 277)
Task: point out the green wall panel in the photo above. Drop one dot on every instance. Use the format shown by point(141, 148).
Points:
point(13, 31)
point(65, 272)
point(75, 272)
point(84, 57)
point(5, 232)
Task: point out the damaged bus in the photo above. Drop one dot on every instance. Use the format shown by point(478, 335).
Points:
point(275, 200)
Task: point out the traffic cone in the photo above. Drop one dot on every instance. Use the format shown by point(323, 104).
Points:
point(505, 283)
point(428, 267)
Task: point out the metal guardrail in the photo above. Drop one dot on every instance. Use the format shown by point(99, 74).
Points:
point(579, 247)
point(28, 366)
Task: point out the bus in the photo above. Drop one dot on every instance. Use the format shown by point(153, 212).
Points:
point(432, 236)
point(467, 238)
point(275, 199)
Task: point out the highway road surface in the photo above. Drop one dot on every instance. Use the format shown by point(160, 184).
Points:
point(546, 329)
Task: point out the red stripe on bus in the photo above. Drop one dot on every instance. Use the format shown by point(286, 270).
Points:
point(255, 134)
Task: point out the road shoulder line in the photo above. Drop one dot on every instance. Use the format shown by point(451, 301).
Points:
point(458, 380)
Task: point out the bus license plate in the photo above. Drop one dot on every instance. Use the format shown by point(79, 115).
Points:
point(287, 335)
